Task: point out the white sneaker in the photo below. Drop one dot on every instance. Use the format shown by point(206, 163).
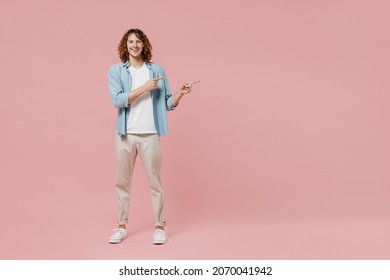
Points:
point(159, 237)
point(118, 236)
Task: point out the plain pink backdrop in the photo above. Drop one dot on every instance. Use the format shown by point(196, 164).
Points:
point(281, 152)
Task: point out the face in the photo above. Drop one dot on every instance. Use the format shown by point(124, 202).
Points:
point(134, 46)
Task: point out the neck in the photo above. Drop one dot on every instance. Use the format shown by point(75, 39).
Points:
point(136, 62)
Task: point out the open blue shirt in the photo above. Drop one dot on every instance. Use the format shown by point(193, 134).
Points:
point(119, 83)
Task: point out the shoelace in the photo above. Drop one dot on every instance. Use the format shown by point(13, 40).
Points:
point(118, 233)
point(160, 235)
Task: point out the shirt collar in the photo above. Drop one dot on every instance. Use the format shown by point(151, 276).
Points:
point(127, 65)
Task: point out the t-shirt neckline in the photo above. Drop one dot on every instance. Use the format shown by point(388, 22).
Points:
point(133, 68)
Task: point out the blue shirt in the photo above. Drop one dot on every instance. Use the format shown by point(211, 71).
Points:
point(119, 83)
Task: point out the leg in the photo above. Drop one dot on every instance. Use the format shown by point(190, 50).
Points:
point(126, 153)
point(150, 153)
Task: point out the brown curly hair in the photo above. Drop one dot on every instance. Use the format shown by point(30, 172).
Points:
point(146, 51)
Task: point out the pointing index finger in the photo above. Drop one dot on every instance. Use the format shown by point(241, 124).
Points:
point(194, 82)
point(158, 78)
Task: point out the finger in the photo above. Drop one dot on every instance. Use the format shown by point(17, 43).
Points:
point(194, 82)
point(158, 78)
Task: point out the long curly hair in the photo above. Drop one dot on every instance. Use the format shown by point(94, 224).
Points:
point(146, 51)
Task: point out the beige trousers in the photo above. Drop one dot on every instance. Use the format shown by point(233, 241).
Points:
point(127, 148)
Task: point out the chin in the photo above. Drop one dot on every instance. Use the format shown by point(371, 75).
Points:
point(135, 55)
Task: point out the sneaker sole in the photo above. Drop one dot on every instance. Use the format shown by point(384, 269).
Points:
point(117, 241)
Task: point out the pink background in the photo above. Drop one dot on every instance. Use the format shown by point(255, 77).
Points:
point(281, 152)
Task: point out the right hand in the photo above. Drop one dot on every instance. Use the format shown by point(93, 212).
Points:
point(152, 84)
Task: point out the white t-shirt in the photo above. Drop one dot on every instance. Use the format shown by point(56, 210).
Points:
point(141, 118)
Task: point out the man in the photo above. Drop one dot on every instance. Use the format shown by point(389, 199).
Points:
point(140, 91)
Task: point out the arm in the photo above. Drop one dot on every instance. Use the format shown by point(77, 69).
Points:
point(118, 98)
point(136, 93)
point(176, 98)
point(122, 99)
point(173, 101)
point(183, 90)
point(148, 86)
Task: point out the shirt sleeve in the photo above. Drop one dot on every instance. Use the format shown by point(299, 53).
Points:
point(119, 98)
point(168, 94)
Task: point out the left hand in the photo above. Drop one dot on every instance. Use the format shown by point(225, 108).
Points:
point(186, 87)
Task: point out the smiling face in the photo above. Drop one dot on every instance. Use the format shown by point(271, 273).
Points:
point(134, 46)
